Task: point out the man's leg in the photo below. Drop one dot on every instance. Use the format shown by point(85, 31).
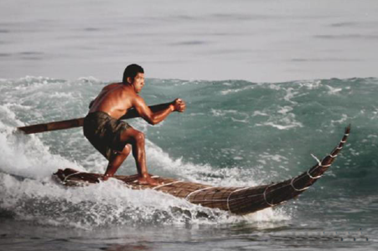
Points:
point(116, 161)
point(137, 141)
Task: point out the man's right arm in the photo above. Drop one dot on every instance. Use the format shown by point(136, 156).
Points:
point(132, 113)
point(157, 113)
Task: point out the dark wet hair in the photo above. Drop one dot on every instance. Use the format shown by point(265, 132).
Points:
point(131, 71)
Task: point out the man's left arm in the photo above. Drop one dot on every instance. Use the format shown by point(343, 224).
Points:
point(132, 113)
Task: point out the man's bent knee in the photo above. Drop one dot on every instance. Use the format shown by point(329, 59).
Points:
point(124, 153)
point(132, 136)
point(139, 137)
point(126, 150)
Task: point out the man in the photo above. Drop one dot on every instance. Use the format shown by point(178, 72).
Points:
point(114, 138)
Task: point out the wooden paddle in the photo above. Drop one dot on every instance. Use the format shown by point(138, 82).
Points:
point(52, 126)
point(78, 122)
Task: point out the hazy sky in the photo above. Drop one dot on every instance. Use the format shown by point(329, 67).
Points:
point(212, 40)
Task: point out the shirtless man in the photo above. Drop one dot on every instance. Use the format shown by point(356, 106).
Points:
point(114, 138)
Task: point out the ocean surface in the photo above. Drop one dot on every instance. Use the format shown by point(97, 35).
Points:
point(233, 133)
point(267, 84)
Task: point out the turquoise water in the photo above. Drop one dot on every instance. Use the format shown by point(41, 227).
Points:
point(233, 133)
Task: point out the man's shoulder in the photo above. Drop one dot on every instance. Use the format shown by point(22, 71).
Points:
point(137, 100)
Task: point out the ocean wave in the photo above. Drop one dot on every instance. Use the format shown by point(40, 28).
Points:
point(234, 133)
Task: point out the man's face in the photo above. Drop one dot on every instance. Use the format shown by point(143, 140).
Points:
point(138, 82)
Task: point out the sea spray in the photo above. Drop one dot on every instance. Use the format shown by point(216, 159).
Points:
point(105, 204)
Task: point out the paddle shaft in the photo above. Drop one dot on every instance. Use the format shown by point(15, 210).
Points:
point(52, 126)
point(78, 122)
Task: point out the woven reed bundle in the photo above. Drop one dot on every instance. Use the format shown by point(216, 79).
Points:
point(236, 200)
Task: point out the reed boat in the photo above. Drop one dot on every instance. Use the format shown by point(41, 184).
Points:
point(236, 200)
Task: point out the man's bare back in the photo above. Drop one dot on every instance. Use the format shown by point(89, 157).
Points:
point(114, 99)
point(121, 101)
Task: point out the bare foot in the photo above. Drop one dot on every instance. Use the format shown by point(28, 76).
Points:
point(105, 177)
point(148, 181)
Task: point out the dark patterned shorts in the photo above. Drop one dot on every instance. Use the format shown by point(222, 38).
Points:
point(104, 133)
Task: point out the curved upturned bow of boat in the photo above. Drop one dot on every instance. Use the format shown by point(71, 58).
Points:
point(236, 200)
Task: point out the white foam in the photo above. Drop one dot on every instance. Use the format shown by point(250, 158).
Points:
point(242, 117)
point(285, 109)
point(39, 199)
point(333, 90)
point(259, 113)
point(25, 155)
point(108, 203)
point(283, 123)
point(310, 85)
point(275, 157)
point(344, 117)
point(61, 95)
point(226, 92)
point(232, 176)
point(221, 113)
